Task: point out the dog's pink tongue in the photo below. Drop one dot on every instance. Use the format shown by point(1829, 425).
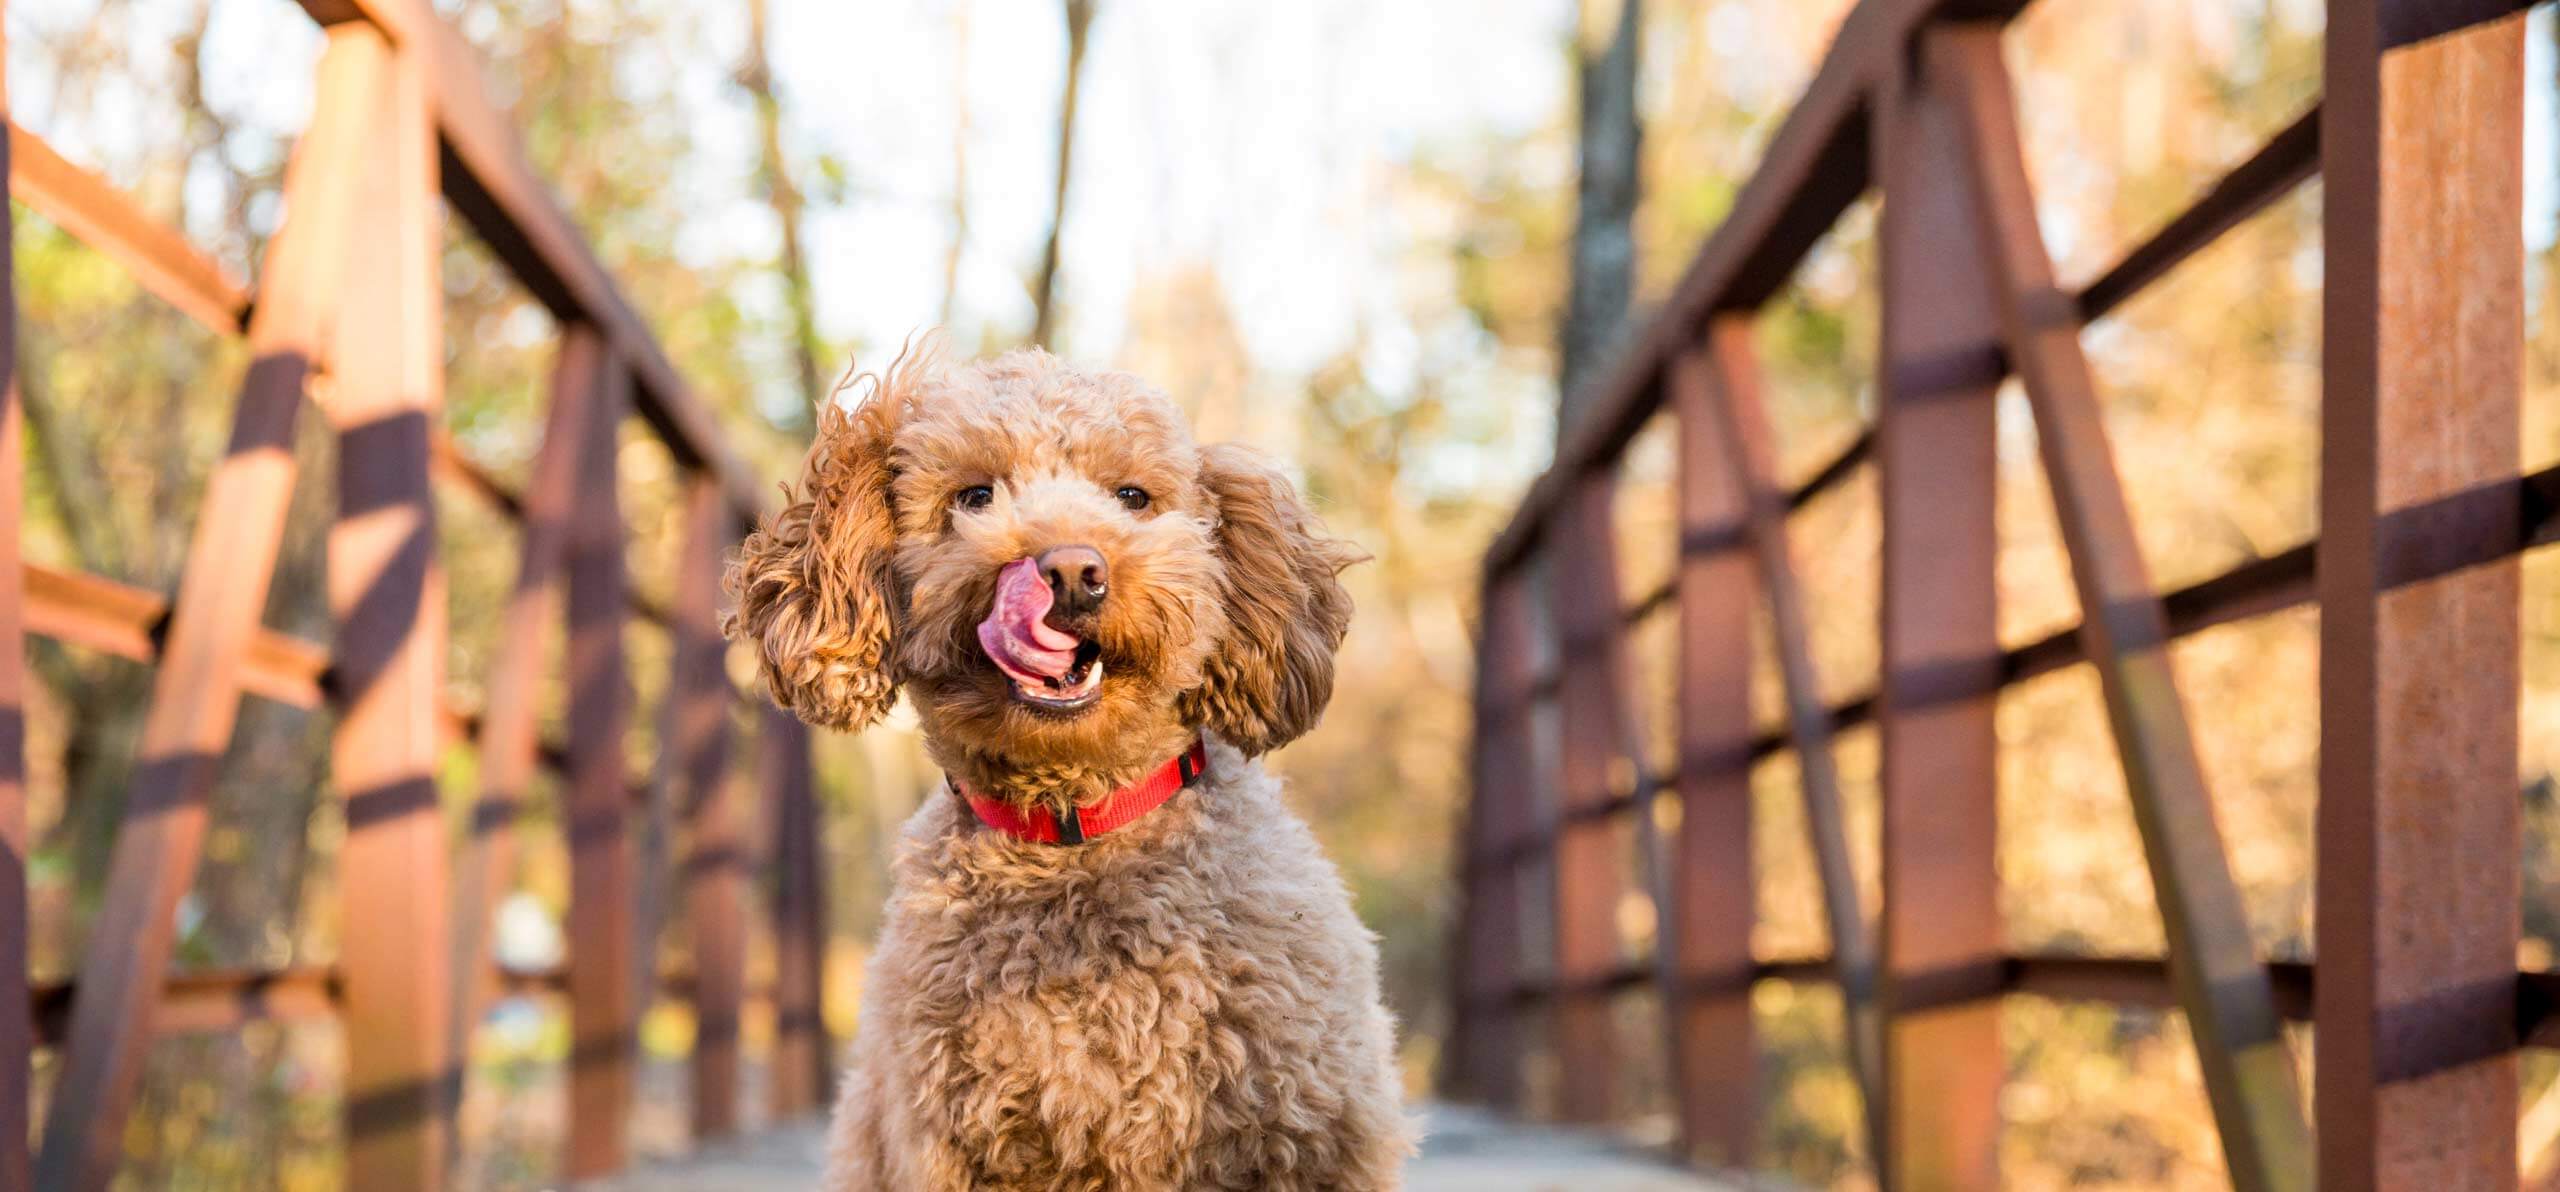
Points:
point(1016, 633)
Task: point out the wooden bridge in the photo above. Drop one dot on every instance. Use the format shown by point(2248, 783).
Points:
point(2415, 1000)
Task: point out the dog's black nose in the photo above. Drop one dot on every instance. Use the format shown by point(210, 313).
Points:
point(1078, 578)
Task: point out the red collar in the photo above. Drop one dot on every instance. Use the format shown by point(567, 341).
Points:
point(1115, 811)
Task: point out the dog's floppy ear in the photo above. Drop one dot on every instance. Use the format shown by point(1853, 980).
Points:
point(813, 588)
point(1286, 611)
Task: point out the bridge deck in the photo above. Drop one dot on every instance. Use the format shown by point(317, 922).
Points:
point(1464, 1151)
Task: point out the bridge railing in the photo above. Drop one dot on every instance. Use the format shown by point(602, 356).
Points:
point(348, 317)
point(2416, 1002)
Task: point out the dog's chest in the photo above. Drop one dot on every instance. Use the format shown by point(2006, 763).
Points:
point(1142, 1009)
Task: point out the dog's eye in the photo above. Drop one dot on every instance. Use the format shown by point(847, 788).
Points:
point(1132, 497)
point(976, 496)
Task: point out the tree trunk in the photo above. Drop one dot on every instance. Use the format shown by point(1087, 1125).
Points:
point(959, 160)
point(1603, 263)
point(756, 76)
point(1045, 291)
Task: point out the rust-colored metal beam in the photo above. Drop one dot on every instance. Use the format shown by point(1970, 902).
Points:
point(80, 609)
point(452, 465)
point(102, 217)
point(210, 1000)
point(1936, 468)
point(493, 186)
point(1483, 1064)
point(206, 1001)
point(2116, 980)
point(112, 618)
point(718, 863)
point(604, 1009)
point(195, 697)
point(2248, 1069)
point(387, 597)
point(2287, 160)
point(1581, 580)
point(509, 725)
point(2422, 374)
point(1814, 168)
point(1830, 475)
point(1810, 174)
point(1751, 455)
point(802, 1056)
point(1715, 1056)
point(2256, 588)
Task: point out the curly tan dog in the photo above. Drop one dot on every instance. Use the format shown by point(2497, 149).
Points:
point(1113, 958)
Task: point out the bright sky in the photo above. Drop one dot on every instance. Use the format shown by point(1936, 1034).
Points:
point(1246, 135)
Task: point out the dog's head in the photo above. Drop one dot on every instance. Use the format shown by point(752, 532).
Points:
point(1062, 581)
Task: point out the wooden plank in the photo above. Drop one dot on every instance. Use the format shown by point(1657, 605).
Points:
point(803, 1061)
point(2419, 887)
point(195, 695)
point(1751, 455)
point(17, 1037)
point(2248, 1069)
point(510, 722)
point(104, 218)
point(1714, 897)
point(1936, 470)
point(1581, 575)
point(386, 595)
point(604, 1009)
point(716, 867)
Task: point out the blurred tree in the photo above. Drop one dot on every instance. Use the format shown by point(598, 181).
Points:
point(1602, 276)
point(1044, 287)
point(959, 245)
point(755, 75)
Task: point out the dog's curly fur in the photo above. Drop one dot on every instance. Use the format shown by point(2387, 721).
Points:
point(1186, 1003)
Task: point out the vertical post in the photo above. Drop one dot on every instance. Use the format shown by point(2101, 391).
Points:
point(2419, 891)
point(800, 1060)
point(195, 695)
point(387, 598)
point(604, 1012)
point(1936, 467)
point(1715, 1060)
point(715, 869)
point(2223, 988)
point(1582, 588)
point(510, 719)
point(1488, 1067)
point(1752, 457)
point(17, 1039)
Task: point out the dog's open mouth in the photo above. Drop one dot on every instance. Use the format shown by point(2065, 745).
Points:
point(1080, 686)
point(1051, 670)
